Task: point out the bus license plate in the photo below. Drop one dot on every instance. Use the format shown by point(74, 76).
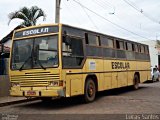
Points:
point(31, 93)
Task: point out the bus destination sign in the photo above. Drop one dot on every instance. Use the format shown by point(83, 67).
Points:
point(36, 31)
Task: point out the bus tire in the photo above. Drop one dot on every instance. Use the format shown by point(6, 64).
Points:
point(153, 79)
point(136, 82)
point(90, 90)
point(158, 78)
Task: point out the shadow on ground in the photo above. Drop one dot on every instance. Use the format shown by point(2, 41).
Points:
point(62, 103)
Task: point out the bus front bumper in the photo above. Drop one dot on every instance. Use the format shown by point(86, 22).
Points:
point(37, 92)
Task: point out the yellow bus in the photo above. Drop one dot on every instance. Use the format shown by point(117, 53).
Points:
point(62, 61)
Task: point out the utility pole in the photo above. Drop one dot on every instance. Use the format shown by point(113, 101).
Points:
point(57, 12)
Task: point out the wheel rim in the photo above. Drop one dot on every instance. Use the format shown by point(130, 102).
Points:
point(90, 90)
point(136, 83)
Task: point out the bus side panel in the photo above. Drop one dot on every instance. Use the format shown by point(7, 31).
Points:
point(130, 78)
point(122, 79)
point(131, 72)
point(95, 67)
point(143, 68)
point(107, 75)
point(74, 82)
point(107, 81)
point(114, 81)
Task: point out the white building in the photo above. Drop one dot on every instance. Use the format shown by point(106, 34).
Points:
point(154, 52)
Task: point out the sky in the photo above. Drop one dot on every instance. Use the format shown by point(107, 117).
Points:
point(136, 20)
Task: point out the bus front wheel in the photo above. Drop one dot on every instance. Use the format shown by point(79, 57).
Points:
point(136, 82)
point(90, 91)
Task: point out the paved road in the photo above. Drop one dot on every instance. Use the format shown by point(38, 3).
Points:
point(146, 100)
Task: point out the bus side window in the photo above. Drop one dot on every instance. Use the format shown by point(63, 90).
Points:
point(146, 50)
point(92, 39)
point(119, 45)
point(142, 49)
point(72, 52)
point(136, 48)
point(133, 47)
point(129, 46)
point(139, 48)
point(106, 42)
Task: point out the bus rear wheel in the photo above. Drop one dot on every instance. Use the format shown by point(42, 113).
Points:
point(136, 82)
point(90, 91)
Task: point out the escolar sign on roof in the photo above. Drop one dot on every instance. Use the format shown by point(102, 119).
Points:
point(36, 31)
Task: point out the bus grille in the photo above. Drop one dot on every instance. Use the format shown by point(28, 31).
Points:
point(34, 79)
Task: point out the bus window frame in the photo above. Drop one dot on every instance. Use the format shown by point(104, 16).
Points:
point(119, 41)
point(34, 37)
point(107, 38)
point(146, 49)
point(84, 53)
point(143, 49)
point(131, 46)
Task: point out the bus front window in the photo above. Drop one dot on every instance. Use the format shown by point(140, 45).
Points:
point(35, 53)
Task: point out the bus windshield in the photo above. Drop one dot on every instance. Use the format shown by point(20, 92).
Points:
point(41, 52)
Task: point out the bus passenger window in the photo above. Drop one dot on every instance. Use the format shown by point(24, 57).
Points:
point(139, 48)
point(146, 50)
point(133, 48)
point(129, 46)
point(142, 49)
point(136, 48)
point(73, 52)
point(92, 39)
point(106, 42)
point(119, 45)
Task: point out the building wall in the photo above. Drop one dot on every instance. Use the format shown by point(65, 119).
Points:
point(4, 85)
point(153, 52)
point(4, 66)
point(4, 79)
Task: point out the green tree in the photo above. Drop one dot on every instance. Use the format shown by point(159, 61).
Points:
point(28, 15)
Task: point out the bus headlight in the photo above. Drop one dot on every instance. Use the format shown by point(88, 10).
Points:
point(54, 83)
point(15, 84)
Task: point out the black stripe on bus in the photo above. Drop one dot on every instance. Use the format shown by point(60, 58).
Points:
point(106, 72)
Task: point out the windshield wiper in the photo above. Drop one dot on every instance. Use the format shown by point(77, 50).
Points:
point(30, 57)
point(40, 64)
point(34, 59)
point(25, 62)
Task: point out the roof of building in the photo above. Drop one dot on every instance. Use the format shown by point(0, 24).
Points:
point(6, 49)
point(9, 36)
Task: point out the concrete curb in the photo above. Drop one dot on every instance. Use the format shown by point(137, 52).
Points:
point(17, 102)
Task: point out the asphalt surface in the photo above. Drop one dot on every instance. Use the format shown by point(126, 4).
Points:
point(117, 103)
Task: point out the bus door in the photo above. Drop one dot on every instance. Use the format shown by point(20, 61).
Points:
point(72, 61)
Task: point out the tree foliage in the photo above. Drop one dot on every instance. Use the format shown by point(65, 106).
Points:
point(28, 15)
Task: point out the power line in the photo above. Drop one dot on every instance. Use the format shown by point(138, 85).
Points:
point(141, 11)
point(109, 20)
point(89, 17)
point(104, 5)
point(71, 12)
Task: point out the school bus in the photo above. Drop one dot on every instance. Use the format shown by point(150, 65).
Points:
point(62, 61)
